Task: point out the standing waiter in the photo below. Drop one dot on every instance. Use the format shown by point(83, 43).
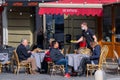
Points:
point(87, 34)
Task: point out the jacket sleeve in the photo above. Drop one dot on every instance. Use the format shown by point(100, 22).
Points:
point(55, 55)
point(25, 53)
point(96, 52)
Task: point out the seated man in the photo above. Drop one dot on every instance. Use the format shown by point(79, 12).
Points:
point(25, 55)
point(58, 57)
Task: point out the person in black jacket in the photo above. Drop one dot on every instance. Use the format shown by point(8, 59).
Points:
point(25, 55)
point(58, 58)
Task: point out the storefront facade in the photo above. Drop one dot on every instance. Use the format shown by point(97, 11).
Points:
point(111, 28)
point(21, 20)
point(74, 15)
point(106, 26)
point(73, 19)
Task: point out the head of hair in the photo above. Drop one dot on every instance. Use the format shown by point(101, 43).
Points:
point(93, 44)
point(23, 39)
point(51, 39)
point(53, 43)
point(84, 23)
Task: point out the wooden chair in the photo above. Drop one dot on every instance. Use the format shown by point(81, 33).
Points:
point(20, 65)
point(117, 60)
point(102, 59)
point(0, 67)
point(6, 65)
point(53, 68)
point(113, 65)
point(68, 50)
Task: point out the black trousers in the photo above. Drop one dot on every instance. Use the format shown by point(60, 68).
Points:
point(82, 66)
point(45, 66)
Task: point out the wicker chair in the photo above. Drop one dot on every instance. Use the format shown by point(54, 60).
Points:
point(53, 68)
point(20, 65)
point(0, 67)
point(93, 67)
point(113, 65)
point(6, 65)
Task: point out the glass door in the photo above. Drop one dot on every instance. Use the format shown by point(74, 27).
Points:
point(111, 28)
point(107, 25)
point(117, 23)
point(107, 30)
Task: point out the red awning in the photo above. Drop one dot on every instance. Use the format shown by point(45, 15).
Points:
point(74, 7)
point(72, 11)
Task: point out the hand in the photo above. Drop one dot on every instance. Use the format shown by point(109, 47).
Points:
point(29, 51)
point(32, 52)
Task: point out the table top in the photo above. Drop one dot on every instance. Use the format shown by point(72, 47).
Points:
point(74, 60)
point(3, 58)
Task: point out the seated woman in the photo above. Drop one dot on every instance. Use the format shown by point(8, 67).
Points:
point(94, 58)
point(58, 58)
point(47, 57)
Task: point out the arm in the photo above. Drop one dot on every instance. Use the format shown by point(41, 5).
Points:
point(55, 55)
point(79, 40)
point(25, 53)
point(96, 53)
point(95, 38)
point(93, 35)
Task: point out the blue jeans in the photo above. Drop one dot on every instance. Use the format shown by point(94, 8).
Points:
point(63, 62)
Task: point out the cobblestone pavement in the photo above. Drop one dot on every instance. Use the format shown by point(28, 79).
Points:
point(23, 76)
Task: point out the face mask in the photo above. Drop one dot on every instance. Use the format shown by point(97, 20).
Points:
point(83, 28)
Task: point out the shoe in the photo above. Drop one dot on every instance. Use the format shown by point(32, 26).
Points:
point(74, 74)
point(67, 75)
point(34, 72)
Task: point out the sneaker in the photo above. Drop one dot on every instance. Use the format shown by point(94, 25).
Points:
point(67, 75)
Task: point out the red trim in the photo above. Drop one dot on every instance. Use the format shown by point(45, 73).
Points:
point(1, 9)
point(75, 11)
point(72, 11)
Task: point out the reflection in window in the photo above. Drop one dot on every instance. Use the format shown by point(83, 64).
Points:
point(107, 24)
point(117, 23)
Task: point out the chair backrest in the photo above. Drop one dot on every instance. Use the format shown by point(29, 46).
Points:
point(68, 50)
point(116, 54)
point(103, 55)
point(16, 57)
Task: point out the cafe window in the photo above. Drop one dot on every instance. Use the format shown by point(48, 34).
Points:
point(107, 24)
point(117, 23)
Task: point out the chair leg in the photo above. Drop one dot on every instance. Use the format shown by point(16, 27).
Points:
point(62, 71)
point(15, 70)
point(91, 73)
point(18, 68)
point(87, 73)
point(30, 71)
point(0, 68)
